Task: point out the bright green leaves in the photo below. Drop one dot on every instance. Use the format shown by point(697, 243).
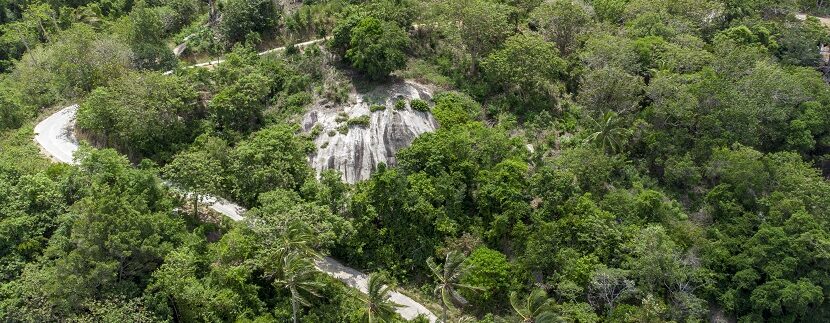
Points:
point(272, 158)
point(377, 47)
point(528, 70)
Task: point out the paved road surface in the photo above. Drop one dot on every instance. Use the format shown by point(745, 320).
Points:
point(56, 137)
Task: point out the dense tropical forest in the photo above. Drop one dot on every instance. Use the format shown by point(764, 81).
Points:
point(595, 161)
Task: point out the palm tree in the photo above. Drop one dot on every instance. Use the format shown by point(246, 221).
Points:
point(448, 276)
point(609, 134)
point(536, 308)
point(298, 238)
point(377, 306)
point(297, 274)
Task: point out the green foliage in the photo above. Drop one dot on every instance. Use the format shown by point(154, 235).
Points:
point(272, 158)
point(141, 114)
point(243, 18)
point(361, 121)
point(484, 26)
point(489, 271)
point(279, 208)
point(12, 111)
point(377, 47)
point(562, 22)
point(239, 106)
point(453, 108)
point(419, 105)
point(400, 104)
point(528, 69)
point(200, 168)
point(610, 89)
point(145, 34)
point(79, 61)
point(643, 161)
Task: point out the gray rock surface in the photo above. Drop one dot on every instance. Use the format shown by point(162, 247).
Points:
point(356, 153)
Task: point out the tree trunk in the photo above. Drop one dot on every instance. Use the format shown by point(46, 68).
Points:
point(294, 308)
point(443, 312)
point(195, 206)
point(26, 44)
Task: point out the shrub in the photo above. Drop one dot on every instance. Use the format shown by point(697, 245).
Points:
point(332, 133)
point(344, 129)
point(342, 117)
point(361, 121)
point(377, 47)
point(377, 107)
point(490, 270)
point(400, 105)
point(419, 105)
point(315, 131)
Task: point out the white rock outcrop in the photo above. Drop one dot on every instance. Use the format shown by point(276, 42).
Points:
point(356, 153)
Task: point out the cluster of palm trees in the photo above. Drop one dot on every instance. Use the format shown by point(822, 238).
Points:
point(295, 272)
point(536, 308)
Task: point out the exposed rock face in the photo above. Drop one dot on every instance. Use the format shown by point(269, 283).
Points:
point(357, 153)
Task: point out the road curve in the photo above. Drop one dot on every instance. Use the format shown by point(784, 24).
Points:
point(57, 140)
point(56, 136)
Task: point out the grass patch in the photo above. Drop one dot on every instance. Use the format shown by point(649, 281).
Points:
point(425, 72)
point(377, 107)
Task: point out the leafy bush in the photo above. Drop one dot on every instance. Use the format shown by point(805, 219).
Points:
point(341, 117)
point(400, 104)
point(361, 121)
point(315, 131)
point(377, 47)
point(489, 270)
point(419, 105)
point(343, 129)
point(377, 107)
point(243, 17)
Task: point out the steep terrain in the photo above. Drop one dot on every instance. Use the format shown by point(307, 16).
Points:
point(357, 152)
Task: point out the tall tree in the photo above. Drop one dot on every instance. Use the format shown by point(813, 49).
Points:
point(298, 275)
point(536, 308)
point(562, 22)
point(199, 169)
point(376, 304)
point(609, 134)
point(447, 276)
point(377, 47)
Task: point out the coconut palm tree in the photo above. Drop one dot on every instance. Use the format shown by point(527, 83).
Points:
point(297, 237)
point(297, 274)
point(609, 132)
point(448, 276)
point(376, 304)
point(536, 308)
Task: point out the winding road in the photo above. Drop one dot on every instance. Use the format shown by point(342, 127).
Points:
point(55, 135)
